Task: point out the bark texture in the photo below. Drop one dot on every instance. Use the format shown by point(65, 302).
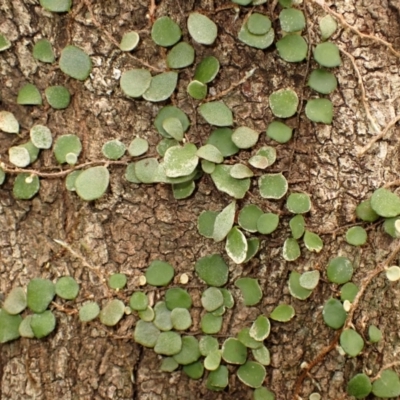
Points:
point(133, 225)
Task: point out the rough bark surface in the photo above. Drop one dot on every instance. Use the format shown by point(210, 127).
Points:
point(133, 225)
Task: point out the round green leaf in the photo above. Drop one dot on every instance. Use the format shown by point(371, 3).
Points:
point(262, 393)
point(201, 28)
point(207, 69)
point(210, 324)
point(234, 351)
point(385, 203)
point(359, 386)
point(211, 299)
point(168, 364)
point(146, 334)
point(92, 183)
point(43, 324)
point(197, 90)
point(112, 312)
point(272, 186)
point(207, 345)
point(135, 82)
point(309, 280)
point(283, 103)
point(356, 236)
point(244, 336)
point(374, 334)
point(262, 355)
point(291, 250)
point(147, 315)
point(129, 41)
point(224, 182)
point(327, 26)
point(40, 293)
point(221, 138)
point(19, 156)
point(258, 41)
point(57, 6)
point(75, 63)
point(387, 385)
point(212, 360)
point(113, 149)
point(216, 113)
point(130, 174)
point(292, 48)
point(180, 160)
point(327, 55)
point(267, 223)
point(177, 298)
point(348, 292)
point(29, 95)
point(258, 24)
point(365, 212)
point(251, 374)
point(351, 342)
point(138, 147)
point(9, 325)
point(164, 144)
point(313, 242)
point(282, 313)
point(339, 270)
point(170, 112)
point(210, 153)
point(66, 144)
point(174, 128)
point(248, 217)
point(292, 20)
point(297, 226)
point(41, 137)
point(250, 290)
point(218, 380)
point(298, 203)
point(161, 86)
point(117, 281)
point(236, 246)
point(295, 288)
point(334, 314)
point(165, 32)
point(319, 110)
point(159, 273)
point(181, 320)
point(260, 328)
point(24, 328)
point(244, 137)
point(322, 81)
point(67, 288)
point(212, 269)
point(8, 123)
point(194, 371)
point(279, 132)
point(180, 56)
point(189, 352)
point(15, 301)
point(89, 311)
point(138, 301)
point(58, 97)
point(258, 161)
point(43, 51)
point(205, 223)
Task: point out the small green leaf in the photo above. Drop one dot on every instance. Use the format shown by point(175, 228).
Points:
point(262, 355)
point(248, 217)
point(92, 183)
point(319, 110)
point(180, 160)
point(295, 288)
point(207, 69)
point(279, 132)
point(385, 203)
point(260, 329)
point(170, 112)
point(221, 138)
point(365, 212)
point(212, 360)
point(113, 149)
point(229, 301)
point(262, 393)
point(309, 280)
point(253, 244)
point(75, 63)
point(15, 302)
point(327, 55)
point(240, 171)
point(234, 351)
point(19, 156)
point(135, 82)
point(267, 223)
point(313, 242)
point(351, 342)
point(43, 324)
point(138, 147)
point(205, 223)
point(258, 41)
point(247, 340)
point(258, 24)
point(43, 51)
point(292, 20)
point(174, 128)
point(207, 345)
point(67, 288)
point(236, 246)
point(224, 222)
point(348, 292)
point(181, 319)
point(282, 313)
point(359, 386)
point(210, 324)
point(272, 186)
point(211, 299)
point(4, 43)
point(212, 269)
point(8, 123)
point(146, 170)
point(117, 281)
point(322, 81)
point(40, 293)
point(165, 32)
point(297, 226)
point(250, 290)
point(129, 41)
point(201, 28)
point(29, 95)
point(9, 325)
point(194, 371)
point(291, 250)
point(197, 90)
point(252, 374)
point(138, 301)
point(24, 328)
point(283, 103)
point(180, 56)
point(161, 86)
point(374, 334)
point(387, 385)
point(112, 312)
point(210, 153)
point(168, 364)
point(66, 144)
point(298, 203)
point(216, 113)
point(57, 6)
point(334, 314)
point(244, 137)
point(159, 273)
point(327, 26)
point(146, 334)
point(339, 270)
point(89, 311)
point(292, 48)
point(41, 137)
point(218, 380)
point(356, 236)
point(189, 352)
